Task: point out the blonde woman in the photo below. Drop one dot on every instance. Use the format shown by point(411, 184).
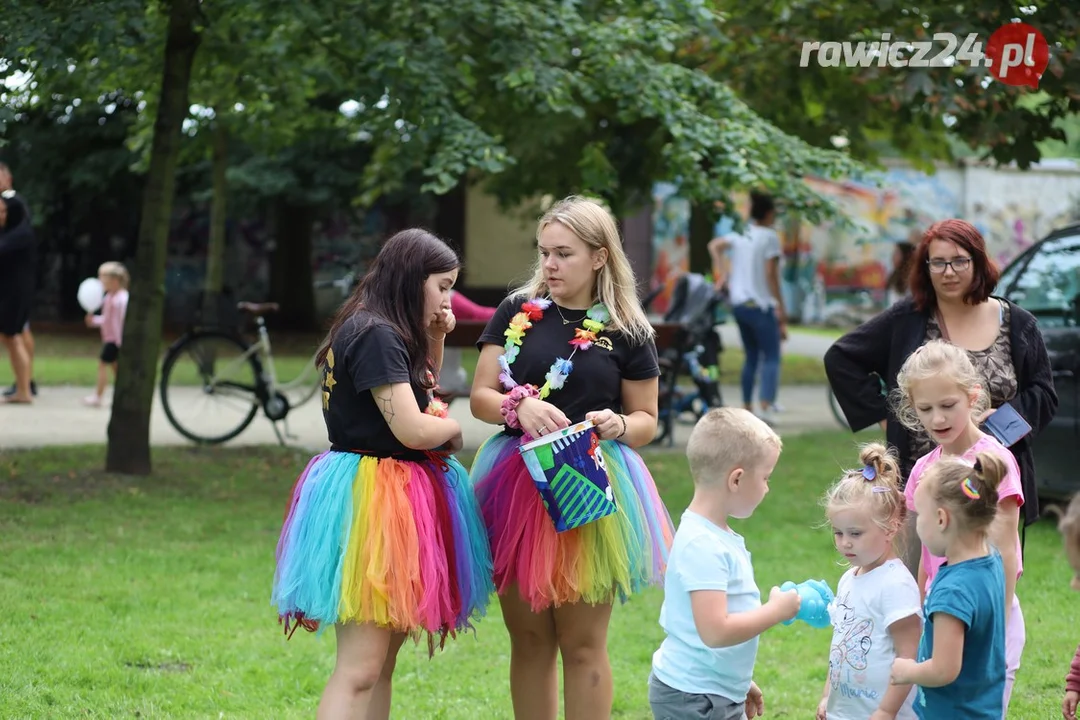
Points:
point(571, 344)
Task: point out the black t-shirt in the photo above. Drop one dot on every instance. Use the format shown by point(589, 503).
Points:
point(356, 364)
point(595, 383)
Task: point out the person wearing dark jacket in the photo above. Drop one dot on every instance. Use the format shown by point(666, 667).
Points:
point(952, 278)
point(18, 256)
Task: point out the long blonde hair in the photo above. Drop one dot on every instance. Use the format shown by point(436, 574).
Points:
point(616, 286)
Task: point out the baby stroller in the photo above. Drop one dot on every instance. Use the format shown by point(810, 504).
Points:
point(698, 308)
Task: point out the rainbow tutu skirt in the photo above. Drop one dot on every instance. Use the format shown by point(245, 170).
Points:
point(386, 540)
point(608, 558)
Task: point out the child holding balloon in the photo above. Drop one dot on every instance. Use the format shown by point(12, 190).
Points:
point(114, 281)
point(712, 613)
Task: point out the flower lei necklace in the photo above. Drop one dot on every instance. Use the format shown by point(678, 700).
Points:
point(533, 311)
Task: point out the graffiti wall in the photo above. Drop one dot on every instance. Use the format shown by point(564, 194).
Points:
point(670, 243)
point(840, 262)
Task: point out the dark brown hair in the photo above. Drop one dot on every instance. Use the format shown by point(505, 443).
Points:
point(984, 273)
point(393, 291)
point(901, 274)
point(953, 484)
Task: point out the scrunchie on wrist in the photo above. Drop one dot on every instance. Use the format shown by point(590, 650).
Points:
point(511, 401)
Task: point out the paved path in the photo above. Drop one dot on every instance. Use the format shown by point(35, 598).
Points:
point(58, 418)
point(798, 343)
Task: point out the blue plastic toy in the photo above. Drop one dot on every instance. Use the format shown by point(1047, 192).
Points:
point(816, 596)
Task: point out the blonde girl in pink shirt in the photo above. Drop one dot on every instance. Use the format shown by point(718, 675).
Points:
point(940, 390)
point(114, 277)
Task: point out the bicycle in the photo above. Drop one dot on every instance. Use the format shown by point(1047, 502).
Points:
point(834, 404)
point(240, 374)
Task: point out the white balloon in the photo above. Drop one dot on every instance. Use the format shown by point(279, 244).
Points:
point(91, 294)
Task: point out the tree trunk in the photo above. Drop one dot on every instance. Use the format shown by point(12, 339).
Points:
point(292, 282)
point(215, 250)
point(129, 425)
point(702, 222)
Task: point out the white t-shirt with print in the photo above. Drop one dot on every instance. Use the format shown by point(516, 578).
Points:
point(750, 254)
point(862, 651)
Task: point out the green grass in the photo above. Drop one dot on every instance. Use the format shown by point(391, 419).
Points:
point(64, 359)
point(149, 597)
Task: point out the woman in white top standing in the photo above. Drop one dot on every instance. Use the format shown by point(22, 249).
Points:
point(756, 301)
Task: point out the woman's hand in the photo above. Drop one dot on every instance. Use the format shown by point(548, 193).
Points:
point(442, 325)
point(609, 425)
point(89, 320)
point(538, 417)
point(822, 709)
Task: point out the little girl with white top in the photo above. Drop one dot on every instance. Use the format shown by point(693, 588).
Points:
point(876, 615)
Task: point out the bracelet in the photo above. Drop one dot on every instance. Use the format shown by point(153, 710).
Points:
point(623, 418)
point(511, 401)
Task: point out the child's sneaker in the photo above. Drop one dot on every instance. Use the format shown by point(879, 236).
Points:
point(92, 401)
point(768, 416)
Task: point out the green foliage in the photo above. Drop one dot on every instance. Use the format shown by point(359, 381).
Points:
point(542, 96)
point(916, 112)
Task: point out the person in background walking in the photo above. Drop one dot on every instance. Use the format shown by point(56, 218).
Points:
point(756, 300)
point(18, 259)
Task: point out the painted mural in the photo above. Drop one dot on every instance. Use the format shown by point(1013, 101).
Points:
point(832, 263)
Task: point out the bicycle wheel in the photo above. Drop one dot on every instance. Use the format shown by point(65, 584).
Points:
point(210, 387)
point(834, 405)
point(303, 387)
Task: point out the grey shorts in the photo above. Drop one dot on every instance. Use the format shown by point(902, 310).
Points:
point(670, 704)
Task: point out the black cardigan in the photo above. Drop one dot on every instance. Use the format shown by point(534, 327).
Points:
point(879, 347)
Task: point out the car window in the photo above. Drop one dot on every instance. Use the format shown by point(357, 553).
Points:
point(1049, 284)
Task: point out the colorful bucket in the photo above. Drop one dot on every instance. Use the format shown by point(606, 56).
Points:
point(568, 469)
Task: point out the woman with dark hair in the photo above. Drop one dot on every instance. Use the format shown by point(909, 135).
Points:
point(18, 256)
point(896, 287)
point(382, 536)
point(952, 278)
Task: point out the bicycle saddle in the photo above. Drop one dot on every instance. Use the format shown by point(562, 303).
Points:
point(257, 309)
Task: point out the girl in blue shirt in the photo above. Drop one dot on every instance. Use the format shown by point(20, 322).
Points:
point(961, 662)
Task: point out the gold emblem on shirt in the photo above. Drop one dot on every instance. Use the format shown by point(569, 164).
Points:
point(604, 343)
point(328, 379)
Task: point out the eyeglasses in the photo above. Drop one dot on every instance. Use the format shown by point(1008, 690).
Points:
point(958, 265)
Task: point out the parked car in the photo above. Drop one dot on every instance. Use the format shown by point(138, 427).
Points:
point(1045, 281)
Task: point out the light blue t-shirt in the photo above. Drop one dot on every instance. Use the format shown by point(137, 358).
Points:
point(705, 557)
point(972, 591)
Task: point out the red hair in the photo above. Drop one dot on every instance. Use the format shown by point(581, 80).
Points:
point(984, 272)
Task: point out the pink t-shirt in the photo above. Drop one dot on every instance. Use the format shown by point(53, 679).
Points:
point(1010, 487)
point(111, 319)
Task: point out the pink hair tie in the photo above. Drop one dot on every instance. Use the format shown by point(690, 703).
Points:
point(511, 401)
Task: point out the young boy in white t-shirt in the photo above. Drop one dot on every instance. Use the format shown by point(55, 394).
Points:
point(712, 612)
